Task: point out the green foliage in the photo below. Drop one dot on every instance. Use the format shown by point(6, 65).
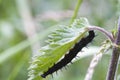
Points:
point(8, 8)
point(14, 42)
point(59, 43)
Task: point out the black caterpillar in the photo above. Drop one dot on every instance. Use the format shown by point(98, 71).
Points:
point(72, 53)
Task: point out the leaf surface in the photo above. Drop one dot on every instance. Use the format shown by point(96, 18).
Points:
point(59, 43)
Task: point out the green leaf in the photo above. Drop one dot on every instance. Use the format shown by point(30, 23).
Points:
point(59, 43)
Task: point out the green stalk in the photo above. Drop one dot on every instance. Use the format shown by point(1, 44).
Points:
point(76, 11)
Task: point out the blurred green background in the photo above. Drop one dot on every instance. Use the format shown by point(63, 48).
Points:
point(25, 24)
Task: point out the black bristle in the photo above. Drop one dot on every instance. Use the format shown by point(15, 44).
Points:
point(43, 76)
point(72, 54)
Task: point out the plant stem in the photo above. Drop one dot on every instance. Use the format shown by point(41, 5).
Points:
point(92, 66)
point(115, 57)
point(108, 34)
point(76, 11)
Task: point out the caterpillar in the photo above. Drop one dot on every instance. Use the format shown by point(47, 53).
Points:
point(72, 54)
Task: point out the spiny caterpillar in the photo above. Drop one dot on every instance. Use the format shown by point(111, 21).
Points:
point(72, 54)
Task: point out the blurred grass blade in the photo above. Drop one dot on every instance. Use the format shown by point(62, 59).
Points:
point(18, 66)
point(24, 44)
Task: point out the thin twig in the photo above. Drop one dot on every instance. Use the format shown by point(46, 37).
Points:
point(104, 48)
point(92, 66)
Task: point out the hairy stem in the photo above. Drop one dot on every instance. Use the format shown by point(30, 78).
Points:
point(76, 11)
point(108, 34)
point(115, 57)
